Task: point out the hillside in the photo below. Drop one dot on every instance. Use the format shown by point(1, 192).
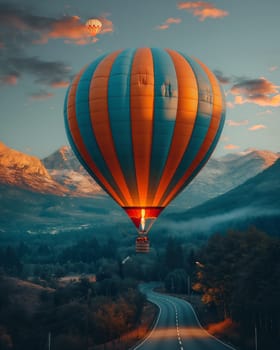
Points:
point(258, 197)
point(65, 169)
point(56, 194)
point(27, 172)
point(223, 174)
point(33, 212)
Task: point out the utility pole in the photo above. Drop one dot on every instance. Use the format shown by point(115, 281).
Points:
point(256, 338)
point(49, 340)
point(87, 317)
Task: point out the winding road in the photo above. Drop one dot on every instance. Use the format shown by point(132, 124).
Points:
point(177, 326)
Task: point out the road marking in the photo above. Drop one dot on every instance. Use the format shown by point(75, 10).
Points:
point(177, 324)
point(198, 322)
point(152, 331)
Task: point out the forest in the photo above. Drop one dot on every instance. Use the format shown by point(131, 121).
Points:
point(83, 290)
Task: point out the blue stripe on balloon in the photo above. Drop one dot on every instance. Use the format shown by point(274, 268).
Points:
point(207, 156)
point(213, 145)
point(68, 132)
point(72, 143)
point(165, 111)
point(85, 127)
point(201, 126)
point(119, 114)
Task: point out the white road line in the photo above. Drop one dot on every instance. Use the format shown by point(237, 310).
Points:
point(152, 331)
point(212, 336)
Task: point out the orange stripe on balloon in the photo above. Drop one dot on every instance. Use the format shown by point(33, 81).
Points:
point(212, 131)
point(142, 114)
point(185, 120)
point(77, 138)
point(98, 104)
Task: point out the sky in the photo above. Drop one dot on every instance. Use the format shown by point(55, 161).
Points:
point(43, 44)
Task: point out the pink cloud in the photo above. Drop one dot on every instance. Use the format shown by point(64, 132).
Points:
point(202, 9)
point(257, 127)
point(259, 91)
point(231, 147)
point(40, 29)
point(42, 95)
point(167, 23)
point(272, 101)
point(163, 27)
point(273, 68)
point(173, 20)
point(254, 87)
point(70, 28)
point(10, 79)
point(230, 104)
point(60, 84)
point(107, 25)
point(233, 123)
point(73, 31)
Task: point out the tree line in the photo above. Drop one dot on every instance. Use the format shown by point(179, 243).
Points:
point(238, 277)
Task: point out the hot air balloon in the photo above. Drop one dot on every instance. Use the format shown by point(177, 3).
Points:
point(94, 26)
point(143, 122)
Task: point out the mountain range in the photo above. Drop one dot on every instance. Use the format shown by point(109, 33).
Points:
point(257, 200)
point(56, 193)
point(28, 172)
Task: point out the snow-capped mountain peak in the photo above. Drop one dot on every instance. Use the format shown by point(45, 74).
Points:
point(65, 168)
point(27, 172)
point(62, 174)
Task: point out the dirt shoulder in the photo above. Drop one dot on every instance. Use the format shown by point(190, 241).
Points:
point(131, 338)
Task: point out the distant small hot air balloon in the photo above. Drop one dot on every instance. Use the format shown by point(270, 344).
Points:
point(94, 26)
point(143, 122)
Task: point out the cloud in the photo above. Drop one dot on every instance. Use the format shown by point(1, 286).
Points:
point(231, 146)
point(273, 68)
point(167, 23)
point(266, 112)
point(73, 30)
point(254, 87)
point(259, 91)
point(224, 138)
point(51, 73)
point(69, 28)
point(19, 29)
point(9, 79)
point(257, 127)
point(202, 9)
point(107, 25)
point(173, 20)
point(41, 95)
point(13, 17)
point(60, 84)
point(211, 222)
point(221, 77)
point(33, 28)
point(234, 123)
point(230, 104)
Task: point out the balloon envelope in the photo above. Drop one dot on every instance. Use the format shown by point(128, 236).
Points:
point(94, 26)
point(143, 122)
